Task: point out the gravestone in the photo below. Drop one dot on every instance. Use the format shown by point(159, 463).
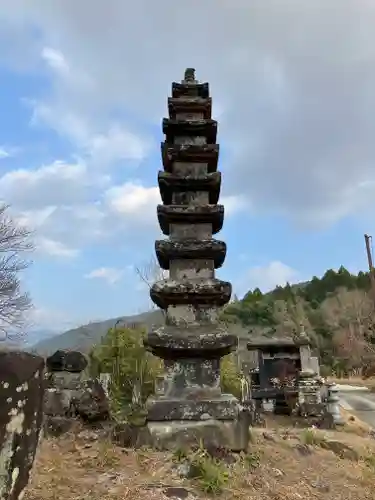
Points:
point(189, 404)
point(21, 418)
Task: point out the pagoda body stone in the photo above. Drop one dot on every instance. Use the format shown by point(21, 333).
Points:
point(189, 404)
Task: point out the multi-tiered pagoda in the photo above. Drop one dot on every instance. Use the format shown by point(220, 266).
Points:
point(192, 342)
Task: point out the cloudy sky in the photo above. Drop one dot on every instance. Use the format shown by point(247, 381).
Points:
point(83, 91)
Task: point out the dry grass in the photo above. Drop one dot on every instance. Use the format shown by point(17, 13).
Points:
point(77, 468)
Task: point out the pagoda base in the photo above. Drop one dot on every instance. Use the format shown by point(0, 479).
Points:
point(219, 422)
point(181, 434)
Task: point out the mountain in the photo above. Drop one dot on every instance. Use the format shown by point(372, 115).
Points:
point(84, 337)
point(336, 311)
point(38, 335)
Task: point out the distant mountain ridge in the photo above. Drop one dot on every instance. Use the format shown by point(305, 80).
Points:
point(84, 337)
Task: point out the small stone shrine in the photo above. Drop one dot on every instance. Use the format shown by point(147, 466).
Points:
point(70, 393)
point(189, 404)
point(284, 374)
point(21, 418)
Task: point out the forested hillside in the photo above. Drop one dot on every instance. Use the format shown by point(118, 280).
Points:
point(336, 311)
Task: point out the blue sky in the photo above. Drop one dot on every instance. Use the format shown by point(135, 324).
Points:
point(83, 92)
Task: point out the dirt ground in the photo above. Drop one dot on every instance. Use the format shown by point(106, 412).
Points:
point(283, 463)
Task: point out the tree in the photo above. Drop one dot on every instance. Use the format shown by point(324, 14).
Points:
point(15, 240)
point(350, 315)
point(150, 272)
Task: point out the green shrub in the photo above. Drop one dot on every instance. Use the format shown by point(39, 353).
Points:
point(230, 376)
point(122, 354)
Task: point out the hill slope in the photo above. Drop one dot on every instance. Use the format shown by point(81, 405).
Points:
point(84, 337)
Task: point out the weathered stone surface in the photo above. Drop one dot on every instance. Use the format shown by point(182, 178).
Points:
point(21, 417)
point(190, 105)
point(223, 407)
point(190, 214)
point(209, 249)
point(210, 433)
point(186, 89)
point(168, 340)
point(171, 183)
point(91, 402)
point(207, 154)
point(57, 402)
point(72, 394)
point(70, 361)
point(192, 341)
point(66, 380)
point(194, 291)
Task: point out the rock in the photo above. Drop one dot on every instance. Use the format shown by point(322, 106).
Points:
point(178, 493)
point(57, 402)
point(340, 449)
point(55, 426)
point(323, 487)
point(70, 361)
point(21, 417)
point(90, 401)
point(269, 437)
point(130, 436)
point(278, 472)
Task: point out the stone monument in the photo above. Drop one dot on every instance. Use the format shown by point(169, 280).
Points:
point(189, 404)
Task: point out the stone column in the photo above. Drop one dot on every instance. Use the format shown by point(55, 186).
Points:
point(21, 418)
point(192, 342)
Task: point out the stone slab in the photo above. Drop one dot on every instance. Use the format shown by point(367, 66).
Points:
point(165, 409)
point(232, 435)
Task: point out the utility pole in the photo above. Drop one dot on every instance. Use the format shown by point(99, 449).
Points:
point(368, 239)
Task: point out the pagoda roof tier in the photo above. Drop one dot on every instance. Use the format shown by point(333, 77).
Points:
point(196, 292)
point(173, 128)
point(206, 153)
point(172, 183)
point(190, 105)
point(190, 214)
point(210, 249)
point(191, 89)
point(198, 342)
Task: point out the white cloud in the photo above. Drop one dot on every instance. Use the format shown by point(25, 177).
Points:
point(4, 153)
point(109, 274)
point(269, 276)
point(295, 83)
point(134, 199)
point(55, 248)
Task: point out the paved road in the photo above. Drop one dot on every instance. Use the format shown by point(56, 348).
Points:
point(359, 401)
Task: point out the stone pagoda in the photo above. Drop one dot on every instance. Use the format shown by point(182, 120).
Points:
point(189, 404)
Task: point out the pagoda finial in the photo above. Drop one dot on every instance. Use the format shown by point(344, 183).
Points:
point(189, 75)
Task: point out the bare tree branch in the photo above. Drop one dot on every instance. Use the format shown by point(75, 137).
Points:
point(150, 272)
point(14, 303)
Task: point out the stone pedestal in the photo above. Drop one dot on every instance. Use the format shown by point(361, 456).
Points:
point(190, 405)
